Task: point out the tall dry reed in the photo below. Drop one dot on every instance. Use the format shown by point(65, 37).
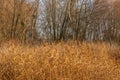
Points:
point(62, 61)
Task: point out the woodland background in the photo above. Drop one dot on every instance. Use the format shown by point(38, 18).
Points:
point(56, 20)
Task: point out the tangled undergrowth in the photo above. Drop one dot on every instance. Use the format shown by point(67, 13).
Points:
point(62, 61)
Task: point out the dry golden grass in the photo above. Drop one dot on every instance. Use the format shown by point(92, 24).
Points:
point(62, 61)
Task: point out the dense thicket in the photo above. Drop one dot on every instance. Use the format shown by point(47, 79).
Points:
point(18, 19)
point(55, 20)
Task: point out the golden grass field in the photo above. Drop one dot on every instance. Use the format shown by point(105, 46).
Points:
point(62, 61)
